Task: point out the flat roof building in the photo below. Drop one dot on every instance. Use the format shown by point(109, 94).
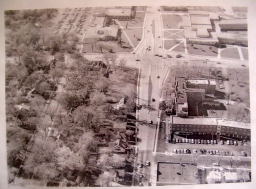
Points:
point(233, 24)
point(212, 126)
point(190, 94)
point(121, 13)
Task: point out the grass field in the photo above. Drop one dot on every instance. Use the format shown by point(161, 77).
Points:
point(172, 21)
point(180, 48)
point(170, 43)
point(239, 92)
point(135, 35)
point(179, 34)
point(175, 21)
point(204, 50)
point(230, 53)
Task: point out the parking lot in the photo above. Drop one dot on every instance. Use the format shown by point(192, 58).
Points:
point(203, 146)
point(73, 21)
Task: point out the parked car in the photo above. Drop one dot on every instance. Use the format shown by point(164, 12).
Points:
point(147, 163)
point(140, 165)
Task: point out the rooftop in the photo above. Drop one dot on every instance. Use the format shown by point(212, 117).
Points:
point(233, 21)
point(197, 19)
point(210, 121)
point(198, 81)
point(202, 81)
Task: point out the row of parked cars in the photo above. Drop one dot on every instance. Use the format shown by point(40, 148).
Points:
point(202, 151)
point(201, 141)
point(194, 141)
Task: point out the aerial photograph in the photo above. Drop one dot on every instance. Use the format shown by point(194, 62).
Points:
point(127, 96)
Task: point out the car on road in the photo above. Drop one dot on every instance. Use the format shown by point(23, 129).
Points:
point(158, 77)
point(137, 60)
point(178, 56)
point(140, 165)
point(153, 100)
point(147, 163)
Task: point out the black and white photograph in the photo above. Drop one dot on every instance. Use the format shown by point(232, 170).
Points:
point(106, 96)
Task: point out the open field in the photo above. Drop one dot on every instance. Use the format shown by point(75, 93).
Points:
point(175, 21)
point(202, 50)
point(174, 173)
point(170, 43)
point(172, 34)
point(172, 21)
point(134, 34)
point(230, 53)
point(180, 48)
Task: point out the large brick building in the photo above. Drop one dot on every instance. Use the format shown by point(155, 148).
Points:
point(190, 94)
point(210, 126)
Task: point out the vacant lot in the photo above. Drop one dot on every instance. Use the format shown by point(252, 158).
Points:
point(180, 48)
point(170, 43)
point(174, 173)
point(134, 34)
point(204, 50)
point(239, 92)
point(230, 53)
point(172, 34)
point(175, 21)
point(172, 21)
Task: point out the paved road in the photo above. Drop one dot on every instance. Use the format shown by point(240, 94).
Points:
point(150, 85)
